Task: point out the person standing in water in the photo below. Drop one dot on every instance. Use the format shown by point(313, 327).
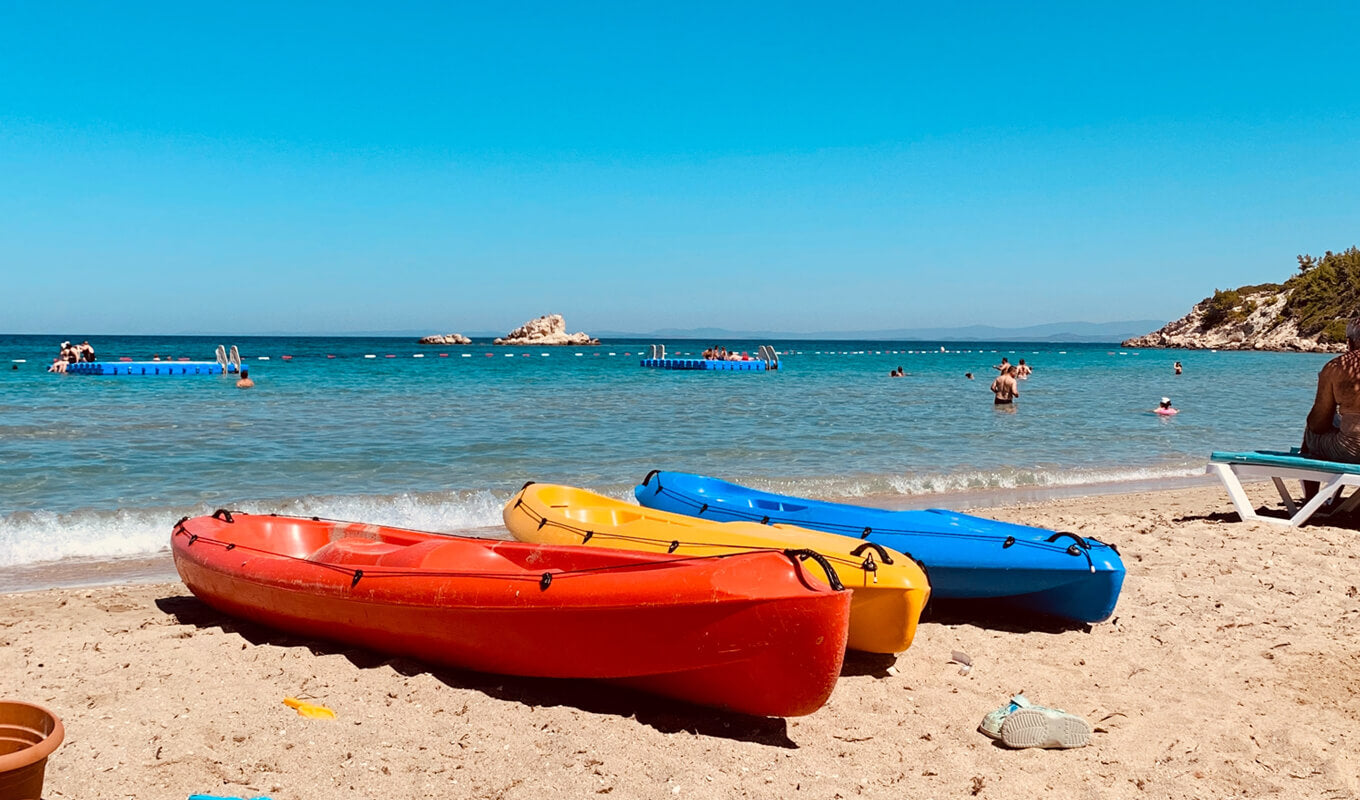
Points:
point(1022, 370)
point(1005, 388)
point(1178, 367)
point(245, 382)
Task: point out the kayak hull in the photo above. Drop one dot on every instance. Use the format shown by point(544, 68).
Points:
point(1030, 569)
point(717, 632)
point(890, 590)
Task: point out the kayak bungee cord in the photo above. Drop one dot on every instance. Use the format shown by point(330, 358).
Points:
point(544, 580)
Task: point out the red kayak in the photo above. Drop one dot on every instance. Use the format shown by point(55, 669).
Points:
point(751, 633)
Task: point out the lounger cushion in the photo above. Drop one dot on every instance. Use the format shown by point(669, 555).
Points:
point(1275, 458)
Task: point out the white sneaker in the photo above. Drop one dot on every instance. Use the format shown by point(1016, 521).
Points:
point(1020, 723)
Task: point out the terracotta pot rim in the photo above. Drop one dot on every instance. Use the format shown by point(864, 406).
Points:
point(39, 751)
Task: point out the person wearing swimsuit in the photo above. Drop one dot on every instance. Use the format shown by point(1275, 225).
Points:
point(1332, 432)
point(1005, 387)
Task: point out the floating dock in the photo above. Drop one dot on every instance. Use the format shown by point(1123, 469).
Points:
point(767, 358)
point(148, 368)
point(705, 363)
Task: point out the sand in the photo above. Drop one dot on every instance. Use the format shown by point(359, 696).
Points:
point(1231, 669)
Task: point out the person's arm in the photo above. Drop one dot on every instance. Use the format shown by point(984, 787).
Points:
point(1324, 405)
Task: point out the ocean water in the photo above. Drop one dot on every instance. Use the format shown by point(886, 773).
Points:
point(100, 467)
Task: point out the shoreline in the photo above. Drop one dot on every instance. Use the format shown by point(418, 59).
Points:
point(159, 567)
point(1230, 668)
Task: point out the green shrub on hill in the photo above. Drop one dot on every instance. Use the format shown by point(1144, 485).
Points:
point(1324, 294)
point(1222, 308)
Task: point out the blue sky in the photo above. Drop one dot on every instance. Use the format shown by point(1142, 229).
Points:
point(253, 167)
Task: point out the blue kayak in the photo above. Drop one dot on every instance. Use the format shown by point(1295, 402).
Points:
point(1039, 570)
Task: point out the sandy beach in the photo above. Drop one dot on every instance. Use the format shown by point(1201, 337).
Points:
point(1231, 669)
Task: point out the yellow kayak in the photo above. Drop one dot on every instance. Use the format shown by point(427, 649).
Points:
point(890, 589)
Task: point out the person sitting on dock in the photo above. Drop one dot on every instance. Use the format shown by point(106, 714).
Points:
point(58, 365)
point(86, 351)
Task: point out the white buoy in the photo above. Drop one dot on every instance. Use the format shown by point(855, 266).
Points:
point(369, 355)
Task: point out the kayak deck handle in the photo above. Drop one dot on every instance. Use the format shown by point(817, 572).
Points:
point(831, 576)
point(882, 553)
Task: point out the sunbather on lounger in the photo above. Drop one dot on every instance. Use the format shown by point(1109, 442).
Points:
point(1338, 393)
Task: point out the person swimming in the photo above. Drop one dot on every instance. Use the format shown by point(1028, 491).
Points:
point(1164, 408)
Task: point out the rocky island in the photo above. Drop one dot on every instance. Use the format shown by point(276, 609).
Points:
point(549, 329)
point(448, 338)
point(1306, 313)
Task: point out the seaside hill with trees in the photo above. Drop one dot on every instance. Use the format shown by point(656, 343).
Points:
point(1307, 312)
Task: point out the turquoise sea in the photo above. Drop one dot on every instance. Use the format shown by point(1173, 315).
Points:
point(93, 468)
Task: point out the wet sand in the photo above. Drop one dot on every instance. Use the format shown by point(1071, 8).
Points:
point(1231, 668)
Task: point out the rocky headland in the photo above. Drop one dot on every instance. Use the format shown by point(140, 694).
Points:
point(1306, 313)
point(447, 338)
point(549, 329)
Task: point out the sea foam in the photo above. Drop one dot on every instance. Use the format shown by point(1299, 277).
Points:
point(31, 537)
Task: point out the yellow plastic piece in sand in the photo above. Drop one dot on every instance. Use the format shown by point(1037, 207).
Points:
point(308, 709)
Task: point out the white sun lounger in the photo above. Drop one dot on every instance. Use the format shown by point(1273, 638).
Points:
point(1231, 468)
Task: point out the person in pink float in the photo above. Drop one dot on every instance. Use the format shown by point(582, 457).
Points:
point(1165, 408)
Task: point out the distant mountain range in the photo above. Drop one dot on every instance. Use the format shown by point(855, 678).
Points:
point(1050, 332)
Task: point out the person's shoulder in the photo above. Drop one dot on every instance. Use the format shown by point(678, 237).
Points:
point(1347, 363)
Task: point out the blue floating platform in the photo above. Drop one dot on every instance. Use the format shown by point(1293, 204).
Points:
point(138, 368)
point(705, 363)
